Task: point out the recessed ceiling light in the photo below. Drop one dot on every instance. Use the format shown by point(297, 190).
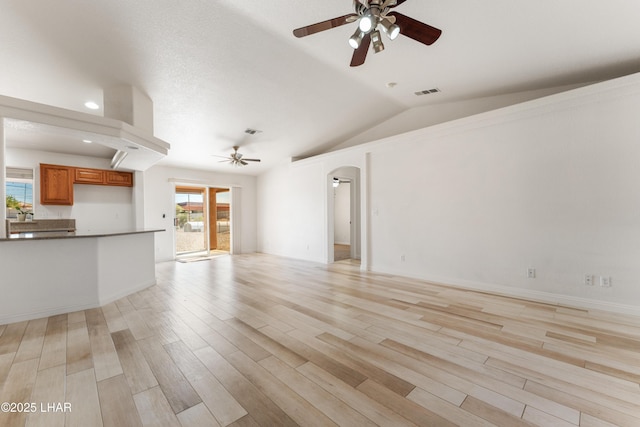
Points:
point(91, 105)
point(87, 141)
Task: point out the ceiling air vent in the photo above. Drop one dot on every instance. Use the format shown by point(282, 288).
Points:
point(427, 92)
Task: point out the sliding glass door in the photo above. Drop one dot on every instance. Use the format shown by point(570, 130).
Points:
point(191, 224)
point(202, 222)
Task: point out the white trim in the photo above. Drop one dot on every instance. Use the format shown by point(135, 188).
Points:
point(527, 294)
point(235, 209)
point(39, 314)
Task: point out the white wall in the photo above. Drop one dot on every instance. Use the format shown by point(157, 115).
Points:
point(159, 190)
point(95, 208)
point(292, 214)
point(550, 184)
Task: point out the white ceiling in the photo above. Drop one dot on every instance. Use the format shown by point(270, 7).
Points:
point(216, 67)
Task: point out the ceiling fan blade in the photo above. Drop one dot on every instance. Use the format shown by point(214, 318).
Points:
point(324, 25)
point(360, 54)
point(243, 163)
point(416, 30)
point(250, 160)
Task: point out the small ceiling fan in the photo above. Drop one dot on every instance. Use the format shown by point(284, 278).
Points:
point(370, 14)
point(236, 158)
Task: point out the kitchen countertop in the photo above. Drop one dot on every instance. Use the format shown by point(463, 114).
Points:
point(45, 235)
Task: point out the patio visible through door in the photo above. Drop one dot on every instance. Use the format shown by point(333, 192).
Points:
point(202, 221)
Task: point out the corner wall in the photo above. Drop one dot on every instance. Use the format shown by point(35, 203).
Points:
point(550, 184)
point(291, 212)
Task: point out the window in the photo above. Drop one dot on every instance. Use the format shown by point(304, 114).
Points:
point(19, 190)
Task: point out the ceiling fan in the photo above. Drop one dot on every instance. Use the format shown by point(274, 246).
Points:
point(236, 158)
point(370, 14)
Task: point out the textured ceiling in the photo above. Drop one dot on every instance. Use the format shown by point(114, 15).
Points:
point(216, 67)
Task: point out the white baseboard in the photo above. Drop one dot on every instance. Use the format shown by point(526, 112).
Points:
point(530, 295)
point(45, 312)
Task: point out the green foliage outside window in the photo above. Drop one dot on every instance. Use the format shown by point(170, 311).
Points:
point(182, 216)
point(12, 202)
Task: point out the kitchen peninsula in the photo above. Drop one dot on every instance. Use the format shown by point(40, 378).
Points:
point(52, 273)
point(47, 270)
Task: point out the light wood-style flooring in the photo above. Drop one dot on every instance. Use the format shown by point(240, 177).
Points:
point(257, 340)
point(341, 252)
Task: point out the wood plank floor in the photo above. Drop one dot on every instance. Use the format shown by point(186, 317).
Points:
point(257, 340)
point(341, 252)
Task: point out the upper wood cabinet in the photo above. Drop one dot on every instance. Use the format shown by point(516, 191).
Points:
point(124, 179)
point(56, 182)
point(88, 176)
point(56, 185)
point(103, 177)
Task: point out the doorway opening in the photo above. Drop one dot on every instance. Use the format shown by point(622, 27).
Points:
point(202, 222)
point(341, 219)
point(344, 215)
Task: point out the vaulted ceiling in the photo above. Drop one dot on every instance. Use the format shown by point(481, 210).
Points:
point(214, 68)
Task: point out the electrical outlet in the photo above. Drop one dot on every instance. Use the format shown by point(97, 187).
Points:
point(402, 258)
point(588, 279)
point(605, 281)
point(531, 273)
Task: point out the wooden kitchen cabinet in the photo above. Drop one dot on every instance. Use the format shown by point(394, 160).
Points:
point(103, 177)
point(88, 176)
point(124, 179)
point(56, 181)
point(56, 185)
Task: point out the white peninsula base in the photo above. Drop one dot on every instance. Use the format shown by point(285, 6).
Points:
point(42, 277)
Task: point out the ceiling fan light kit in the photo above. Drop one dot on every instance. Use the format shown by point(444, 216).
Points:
point(370, 14)
point(391, 29)
point(366, 23)
point(356, 39)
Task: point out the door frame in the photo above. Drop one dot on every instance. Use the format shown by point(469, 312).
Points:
point(353, 175)
point(177, 184)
